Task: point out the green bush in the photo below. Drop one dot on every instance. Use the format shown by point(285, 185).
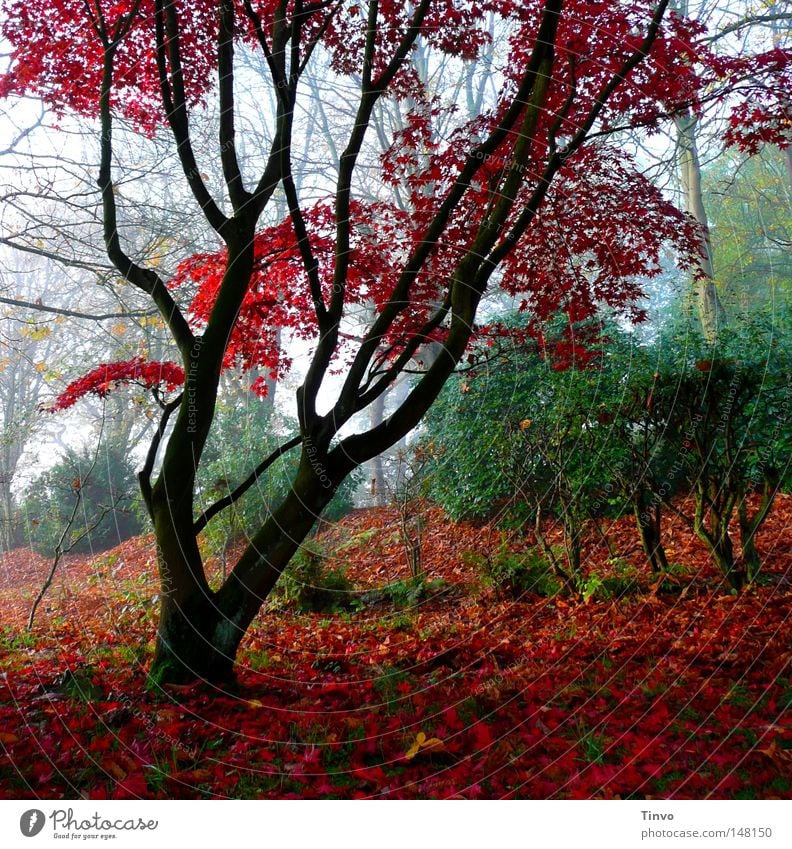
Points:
point(536, 427)
point(513, 573)
point(642, 422)
point(727, 420)
point(101, 485)
point(309, 586)
point(545, 442)
point(406, 593)
point(624, 581)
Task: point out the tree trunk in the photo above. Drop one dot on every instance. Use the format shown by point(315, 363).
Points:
point(568, 581)
point(710, 309)
point(193, 643)
point(750, 556)
point(749, 525)
point(6, 513)
point(719, 545)
point(648, 517)
point(379, 494)
point(187, 641)
point(573, 542)
point(200, 630)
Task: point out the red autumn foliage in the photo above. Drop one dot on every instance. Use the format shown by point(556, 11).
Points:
point(585, 250)
point(669, 692)
point(566, 222)
point(279, 297)
point(58, 55)
point(108, 376)
point(763, 114)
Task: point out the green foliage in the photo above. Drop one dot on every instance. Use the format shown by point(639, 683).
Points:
point(387, 687)
point(548, 446)
point(735, 397)
point(79, 684)
point(543, 434)
point(592, 745)
point(309, 586)
point(513, 573)
point(12, 640)
point(408, 592)
point(624, 581)
point(594, 587)
point(242, 436)
point(727, 420)
point(109, 509)
point(489, 404)
point(644, 422)
point(598, 587)
point(749, 211)
point(405, 593)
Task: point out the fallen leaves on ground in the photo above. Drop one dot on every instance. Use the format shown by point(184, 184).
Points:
point(677, 690)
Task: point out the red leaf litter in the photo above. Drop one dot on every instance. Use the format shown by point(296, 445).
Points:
point(674, 691)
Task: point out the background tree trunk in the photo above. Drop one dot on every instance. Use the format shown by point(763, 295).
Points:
point(710, 309)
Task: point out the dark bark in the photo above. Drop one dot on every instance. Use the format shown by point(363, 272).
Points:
point(188, 618)
point(648, 517)
point(715, 536)
point(378, 493)
point(200, 630)
point(750, 556)
point(193, 643)
point(750, 524)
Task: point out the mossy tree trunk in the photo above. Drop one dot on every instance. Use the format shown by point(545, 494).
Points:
point(199, 629)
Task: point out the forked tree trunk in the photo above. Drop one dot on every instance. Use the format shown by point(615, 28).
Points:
point(200, 630)
point(568, 581)
point(750, 524)
point(718, 542)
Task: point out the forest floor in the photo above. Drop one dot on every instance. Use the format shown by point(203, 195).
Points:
point(642, 689)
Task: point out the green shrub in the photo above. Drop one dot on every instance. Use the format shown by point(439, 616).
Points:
point(406, 592)
point(514, 573)
point(97, 486)
point(549, 447)
point(625, 580)
point(309, 586)
point(641, 423)
point(726, 415)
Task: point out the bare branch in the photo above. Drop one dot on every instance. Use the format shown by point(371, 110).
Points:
point(225, 69)
point(175, 100)
point(31, 305)
point(750, 20)
point(145, 279)
point(234, 496)
point(144, 475)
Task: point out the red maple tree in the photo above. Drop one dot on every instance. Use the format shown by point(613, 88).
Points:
point(527, 196)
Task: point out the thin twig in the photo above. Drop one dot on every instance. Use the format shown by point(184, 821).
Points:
point(60, 550)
